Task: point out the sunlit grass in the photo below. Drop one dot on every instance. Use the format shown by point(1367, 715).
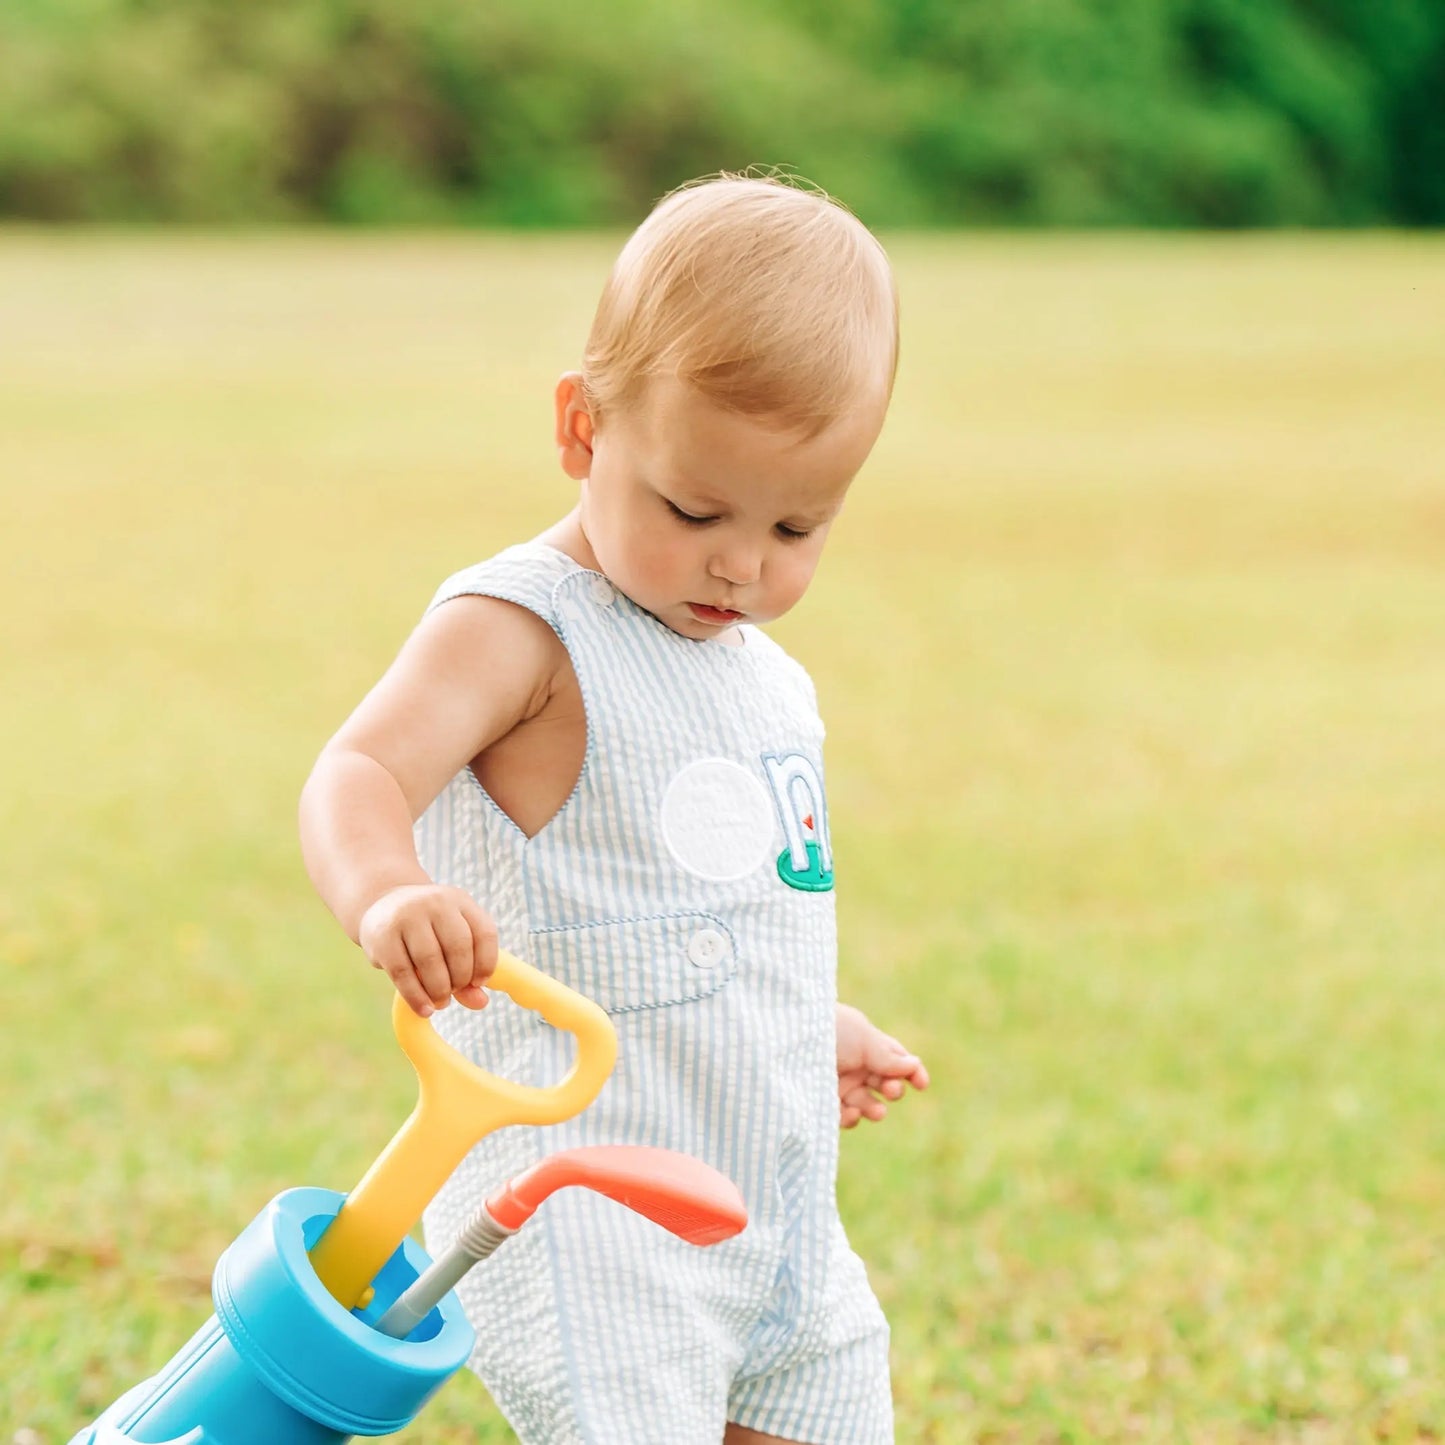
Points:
point(1132, 647)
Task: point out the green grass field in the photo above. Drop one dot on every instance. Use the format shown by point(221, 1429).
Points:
point(1132, 645)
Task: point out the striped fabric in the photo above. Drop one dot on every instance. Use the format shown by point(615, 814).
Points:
point(686, 886)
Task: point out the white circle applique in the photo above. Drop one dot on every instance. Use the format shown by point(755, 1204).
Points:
point(717, 820)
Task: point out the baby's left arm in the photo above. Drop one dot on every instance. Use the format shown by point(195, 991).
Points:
point(873, 1068)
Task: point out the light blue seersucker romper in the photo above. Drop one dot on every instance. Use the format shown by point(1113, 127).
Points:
point(686, 886)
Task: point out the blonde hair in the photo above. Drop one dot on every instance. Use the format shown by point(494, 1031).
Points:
point(764, 294)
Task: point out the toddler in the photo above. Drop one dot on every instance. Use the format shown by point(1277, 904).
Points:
point(590, 753)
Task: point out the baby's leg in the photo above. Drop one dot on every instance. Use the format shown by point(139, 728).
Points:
point(741, 1435)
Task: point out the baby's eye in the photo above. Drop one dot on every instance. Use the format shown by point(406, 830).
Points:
point(687, 517)
point(791, 534)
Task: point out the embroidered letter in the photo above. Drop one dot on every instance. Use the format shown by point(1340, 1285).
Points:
point(807, 862)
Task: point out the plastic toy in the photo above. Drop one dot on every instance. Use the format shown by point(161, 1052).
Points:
point(330, 1322)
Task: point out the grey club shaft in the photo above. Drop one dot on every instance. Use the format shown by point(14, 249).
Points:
point(478, 1237)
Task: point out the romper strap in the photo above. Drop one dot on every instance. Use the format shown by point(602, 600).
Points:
point(527, 574)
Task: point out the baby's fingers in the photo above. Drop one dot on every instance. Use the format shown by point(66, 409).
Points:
point(428, 958)
point(901, 1065)
point(392, 959)
point(888, 1057)
point(911, 1068)
point(484, 941)
point(454, 934)
point(471, 995)
point(863, 1102)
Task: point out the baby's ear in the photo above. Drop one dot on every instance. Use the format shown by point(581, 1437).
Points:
point(574, 426)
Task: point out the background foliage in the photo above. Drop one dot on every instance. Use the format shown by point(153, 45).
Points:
point(1078, 112)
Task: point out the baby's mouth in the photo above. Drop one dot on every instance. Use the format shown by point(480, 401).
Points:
point(718, 615)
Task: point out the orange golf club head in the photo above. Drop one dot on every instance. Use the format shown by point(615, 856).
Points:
point(685, 1196)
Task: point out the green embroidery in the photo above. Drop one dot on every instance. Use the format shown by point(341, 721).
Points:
point(816, 879)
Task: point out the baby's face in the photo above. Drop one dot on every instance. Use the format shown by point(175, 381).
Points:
point(707, 518)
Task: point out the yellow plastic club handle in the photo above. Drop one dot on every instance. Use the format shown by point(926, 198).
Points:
point(458, 1104)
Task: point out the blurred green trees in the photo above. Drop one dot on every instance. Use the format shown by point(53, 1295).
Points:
point(1081, 112)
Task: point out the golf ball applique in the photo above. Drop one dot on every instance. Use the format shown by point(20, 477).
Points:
point(717, 820)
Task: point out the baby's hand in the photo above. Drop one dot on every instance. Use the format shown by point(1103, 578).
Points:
point(872, 1068)
point(436, 943)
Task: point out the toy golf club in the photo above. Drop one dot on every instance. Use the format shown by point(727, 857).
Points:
point(331, 1322)
point(685, 1196)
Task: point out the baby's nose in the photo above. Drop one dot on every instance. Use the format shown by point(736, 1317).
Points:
point(738, 565)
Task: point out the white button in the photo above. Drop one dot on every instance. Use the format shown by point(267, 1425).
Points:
point(707, 949)
point(602, 593)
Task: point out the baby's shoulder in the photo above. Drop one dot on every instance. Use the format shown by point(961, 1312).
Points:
point(474, 644)
point(497, 623)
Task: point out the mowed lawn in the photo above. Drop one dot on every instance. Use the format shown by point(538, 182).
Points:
point(1132, 647)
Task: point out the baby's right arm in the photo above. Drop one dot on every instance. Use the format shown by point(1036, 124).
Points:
point(473, 669)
